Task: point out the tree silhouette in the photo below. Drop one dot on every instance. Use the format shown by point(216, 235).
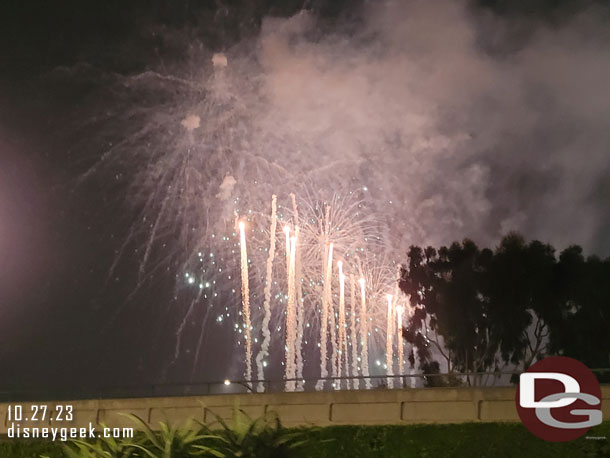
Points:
point(483, 311)
point(582, 332)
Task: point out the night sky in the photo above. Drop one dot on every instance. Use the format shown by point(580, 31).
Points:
point(541, 160)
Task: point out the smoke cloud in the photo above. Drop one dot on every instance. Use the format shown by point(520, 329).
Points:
point(452, 121)
point(431, 107)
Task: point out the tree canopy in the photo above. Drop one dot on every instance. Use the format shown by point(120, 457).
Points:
point(476, 309)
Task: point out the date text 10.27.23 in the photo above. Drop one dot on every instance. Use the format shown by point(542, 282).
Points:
point(40, 412)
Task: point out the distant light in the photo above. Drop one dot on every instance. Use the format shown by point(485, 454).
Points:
point(227, 382)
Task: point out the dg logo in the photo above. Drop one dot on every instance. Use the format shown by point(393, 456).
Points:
point(559, 399)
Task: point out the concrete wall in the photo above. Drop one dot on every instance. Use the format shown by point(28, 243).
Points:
point(376, 407)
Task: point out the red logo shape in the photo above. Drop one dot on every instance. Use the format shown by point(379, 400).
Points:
point(559, 418)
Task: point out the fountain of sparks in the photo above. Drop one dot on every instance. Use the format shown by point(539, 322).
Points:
point(311, 302)
point(291, 316)
point(341, 345)
point(400, 348)
point(326, 312)
point(245, 299)
point(364, 330)
point(389, 349)
point(353, 329)
point(190, 182)
point(264, 351)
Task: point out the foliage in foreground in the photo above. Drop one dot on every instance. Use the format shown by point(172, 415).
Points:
point(243, 437)
point(468, 440)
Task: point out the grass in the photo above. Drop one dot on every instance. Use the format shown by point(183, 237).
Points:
point(11, 448)
point(471, 440)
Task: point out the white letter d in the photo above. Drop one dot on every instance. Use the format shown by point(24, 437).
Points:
point(527, 383)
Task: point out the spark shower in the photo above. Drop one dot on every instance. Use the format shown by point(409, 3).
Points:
point(322, 258)
point(302, 281)
point(200, 152)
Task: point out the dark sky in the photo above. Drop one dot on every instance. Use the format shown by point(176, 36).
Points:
point(58, 237)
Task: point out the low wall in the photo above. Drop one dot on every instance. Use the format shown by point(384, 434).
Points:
point(376, 407)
